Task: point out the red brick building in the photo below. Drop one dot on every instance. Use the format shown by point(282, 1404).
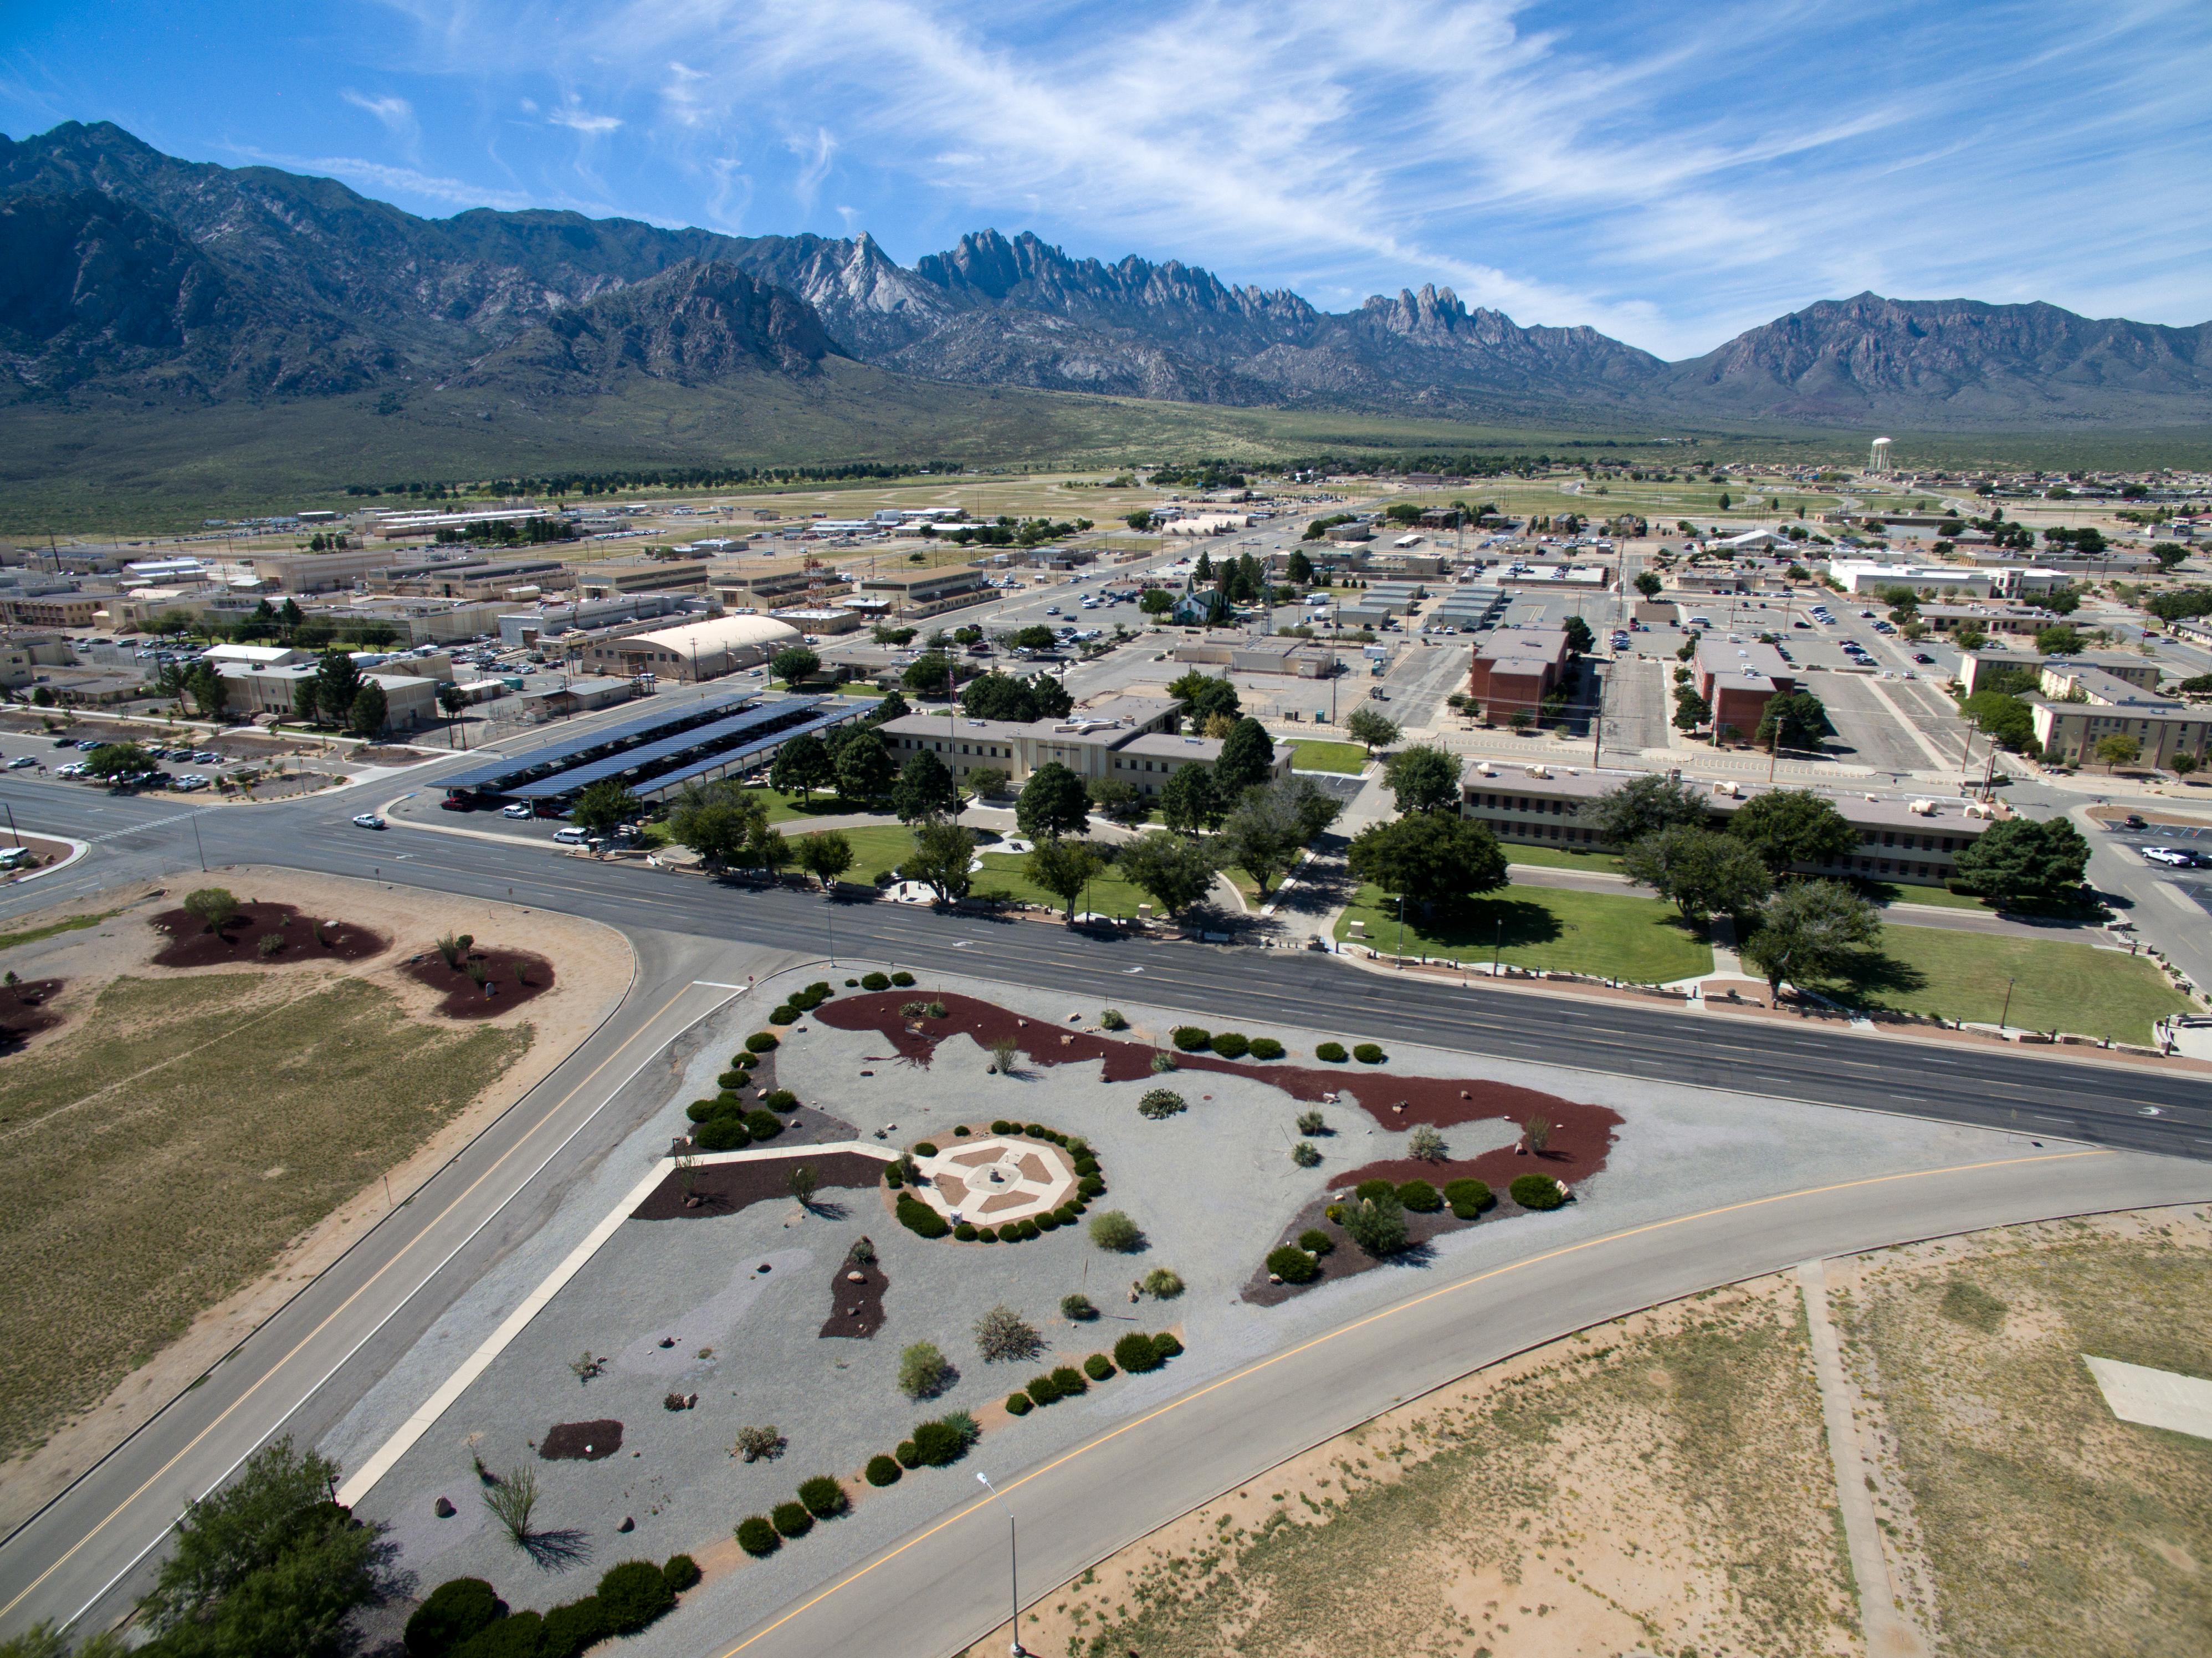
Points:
point(1739, 680)
point(1514, 670)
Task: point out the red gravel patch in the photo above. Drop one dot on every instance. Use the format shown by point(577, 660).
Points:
point(25, 1010)
point(723, 1188)
point(192, 945)
point(463, 998)
point(581, 1442)
point(856, 1310)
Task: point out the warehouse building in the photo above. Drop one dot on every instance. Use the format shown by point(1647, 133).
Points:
point(693, 651)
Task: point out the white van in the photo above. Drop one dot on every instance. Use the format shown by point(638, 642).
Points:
point(572, 836)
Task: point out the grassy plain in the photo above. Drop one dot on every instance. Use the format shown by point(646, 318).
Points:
point(160, 1155)
point(1346, 757)
point(1640, 939)
point(1561, 857)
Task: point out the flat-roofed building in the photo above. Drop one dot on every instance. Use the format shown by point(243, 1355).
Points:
point(820, 622)
point(1739, 680)
point(927, 592)
point(1515, 669)
point(764, 591)
point(474, 579)
point(2081, 705)
point(694, 650)
point(1128, 739)
point(2011, 619)
point(1975, 668)
point(54, 610)
point(614, 579)
point(1304, 658)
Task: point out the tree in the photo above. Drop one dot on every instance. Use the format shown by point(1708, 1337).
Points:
point(1247, 759)
point(924, 1371)
point(1155, 601)
point(1173, 871)
point(932, 671)
point(1189, 800)
point(1272, 826)
point(1580, 640)
point(794, 664)
point(1140, 519)
point(1423, 778)
point(211, 690)
point(1052, 804)
point(2169, 554)
point(1690, 710)
point(1035, 637)
point(369, 711)
point(338, 682)
point(1203, 694)
point(2021, 857)
point(1643, 805)
point(306, 702)
point(2008, 720)
point(1376, 1224)
point(801, 766)
point(603, 805)
point(2118, 750)
point(213, 906)
point(940, 859)
point(1903, 600)
point(1793, 826)
point(1793, 719)
point(1119, 800)
point(112, 760)
point(1064, 868)
point(452, 699)
point(996, 695)
point(1649, 584)
point(1703, 873)
point(716, 820)
point(1808, 930)
point(765, 848)
point(987, 782)
point(864, 763)
point(1434, 859)
point(889, 707)
point(268, 1566)
point(924, 789)
point(2060, 638)
point(1370, 728)
point(1969, 638)
point(826, 854)
point(1299, 568)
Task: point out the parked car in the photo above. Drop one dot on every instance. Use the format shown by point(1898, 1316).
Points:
point(88, 742)
point(22, 761)
point(519, 809)
point(2134, 821)
point(1921, 656)
point(2171, 857)
point(457, 803)
point(64, 742)
point(572, 836)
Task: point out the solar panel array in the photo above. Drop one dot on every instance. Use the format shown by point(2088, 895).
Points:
point(745, 754)
point(668, 748)
point(492, 772)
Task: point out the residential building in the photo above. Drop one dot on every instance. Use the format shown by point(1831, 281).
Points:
point(2081, 705)
point(1976, 666)
point(1130, 739)
point(1739, 680)
point(1515, 669)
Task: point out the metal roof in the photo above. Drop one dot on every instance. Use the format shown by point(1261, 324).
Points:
point(571, 779)
point(745, 754)
point(493, 771)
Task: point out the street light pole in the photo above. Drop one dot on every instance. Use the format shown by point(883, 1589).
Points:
point(1013, 1563)
point(2007, 1014)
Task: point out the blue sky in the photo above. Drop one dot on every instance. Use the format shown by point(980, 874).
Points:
point(1671, 173)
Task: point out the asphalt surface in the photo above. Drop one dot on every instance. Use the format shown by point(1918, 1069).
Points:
point(303, 1369)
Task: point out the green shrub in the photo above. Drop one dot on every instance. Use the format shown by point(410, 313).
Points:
point(699, 1110)
point(1092, 1186)
point(876, 981)
point(762, 1042)
point(1315, 1242)
point(1030, 1230)
point(1369, 1053)
point(823, 1496)
point(781, 1099)
point(1002, 1126)
point(938, 1444)
point(1536, 1192)
point(1421, 1198)
point(1266, 1048)
point(1375, 1188)
point(1086, 1164)
point(756, 1536)
point(632, 1594)
point(925, 1148)
point(722, 1134)
point(1377, 1225)
point(1231, 1044)
point(1332, 1052)
point(892, 1178)
point(1306, 1155)
point(961, 1133)
point(1293, 1265)
point(1162, 1284)
point(966, 1232)
point(1070, 1382)
point(785, 1015)
point(1115, 1231)
point(1191, 1039)
point(908, 1457)
point(920, 1220)
point(792, 1518)
point(680, 1572)
point(762, 1124)
point(1065, 1214)
point(1165, 1346)
point(1078, 1309)
point(522, 1635)
point(744, 1061)
point(1160, 1103)
point(1162, 1062)
point(924, 1371)
point(1135, 1353)
point(905, 980)
point(987, 1234)
point(1048, 1223)
point(452, 1612)
point(1042, 1389)
point(568, 1630)
point(854, 984)
point(1468, 1198)
point(883, 1470)
point(731, 1079)
point(1019, 1405)
point(963, 1427)
point(1111, 1019)
point(1098, 1367)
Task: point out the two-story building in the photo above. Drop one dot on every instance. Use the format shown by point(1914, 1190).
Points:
point(1130, 739)
point(1514, 670)
point(1739, 680)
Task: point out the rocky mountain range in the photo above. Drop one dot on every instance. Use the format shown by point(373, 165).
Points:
point(128, 274)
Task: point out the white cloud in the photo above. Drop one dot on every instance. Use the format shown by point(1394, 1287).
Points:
point(396, 113)
point(581, 121)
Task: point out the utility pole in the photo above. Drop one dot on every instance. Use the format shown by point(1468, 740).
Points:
point(1013, 1563)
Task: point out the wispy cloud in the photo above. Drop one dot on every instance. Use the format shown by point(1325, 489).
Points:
point(396, 113)
point(584, 121)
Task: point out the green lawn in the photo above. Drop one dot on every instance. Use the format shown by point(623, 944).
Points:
point(1346, 758)
point(1109, 895)
point(2056, 985)
point(873, 850)
point(1641, 940)
point(1561, 858)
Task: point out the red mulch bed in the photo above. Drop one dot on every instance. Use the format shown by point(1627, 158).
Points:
point(856, 1310)
point(192, 945)
point(723, 1188)
point(25, 1010)
point(463, 999)
point(568, 1440)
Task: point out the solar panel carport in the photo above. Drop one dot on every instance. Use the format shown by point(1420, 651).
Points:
point(491, 774)
point(775, 722)
point(745, 757)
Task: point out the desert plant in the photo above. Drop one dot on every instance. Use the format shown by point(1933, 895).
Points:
point(1078, 1309)
point(269, 944)
point(680, 1572)
point(1330, 1052)
point(1004, 1051)
point(1421, 1198)
point(1305, 1155)
point(1266, 1047)
point(1369, 1053)
point(1191, 1039)
point(883, 1470)
point(1162, 1284)
point(938, 1444)
point(1293, 1265)
point(1019, 1403)
point(925, 1148)
point(1115, 1231)
point(1376, 1224)
point(1041, 1389)
point(1070, 1382)
point(1098, 1367)
point(823, 1496)
point(1468, 1198)
point(1537, 1134)
point(864, 1252)
point(1312, 1122)
point(920, 1218)
point(903, 979)
point(586, 1367)
point(762, 1042)
point(1425, 1143)
point(800, 1179)
point(790, 1519)
point(1315, 1242)
point(785, 1015)
point(511, 1502)
point(1004, 1334)
point(924, 1371)
point(1374, 1189)
point(779, 1099)
point(1162, 1062)
point(522, 982)
point(632, 1594)
point(723, 1133)
point(1110, 1019)
point(757, 1536)
point(1159, 1104)
point(1137, 1352)
point(759, 1444)
point(1536, 1192)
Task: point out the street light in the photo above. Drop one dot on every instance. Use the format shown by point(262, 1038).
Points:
point(1013, 1563)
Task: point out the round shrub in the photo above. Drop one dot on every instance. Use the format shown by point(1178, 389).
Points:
point(987, 1234)
point(1030, 1230)
point(1536, 1192)
point(1019, 1405)
point(1306, 1155)
point(925, 1149)
point(763, 1042)
point(632, 1594)
point(939, 1443)
point(1115, 1231)
point(762, 1124)
point(680, 1572)
point(1037, 1130)
point(731, 1078)
point(699, 1110)
point(961, 1133)
point(884, 1470)
point(781, 1099)
point(1098, 1367)
point(568, 1630)
point(722, 1134)
point(1159, 1104)
point(1468, 1198)
point(1372, 1189)
point(785, 1015)
point(920, 1220)
point(1191, 1039)
point(1070, 1382)
point(1162, 1284)
point(519, 1636)
point(854, 984)
point(1315, 1242)
point(1092, 1186)
point(1376, 1224)
point(1048, 1223)
point(756, 1536)
point(1266, 1048)
point(1065, 1214)
point(1042, 1389)
point(1293, 1265)
point(452, 1612)
point(908, 1456)
point(1231, 1044)
point(1331, 1051)
point(892, 1178)
point(903, 979)
point(823, 1496)
point(965, 1232)
point(792, 1518)
point(743, 1061)
point(1002, 1126)
point(1086, 1164)
point(1421, 1198)
point(876, 981)
point(1165, 1346)
point(1135, 1353)
point(1369, 1053)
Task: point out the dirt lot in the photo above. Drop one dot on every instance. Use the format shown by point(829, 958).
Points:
point(186, 1146)
point(1659, 1483)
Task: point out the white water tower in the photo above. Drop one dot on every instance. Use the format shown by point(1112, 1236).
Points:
point(1878, 458)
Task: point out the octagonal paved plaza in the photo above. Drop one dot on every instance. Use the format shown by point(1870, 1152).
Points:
point(990, 1182)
